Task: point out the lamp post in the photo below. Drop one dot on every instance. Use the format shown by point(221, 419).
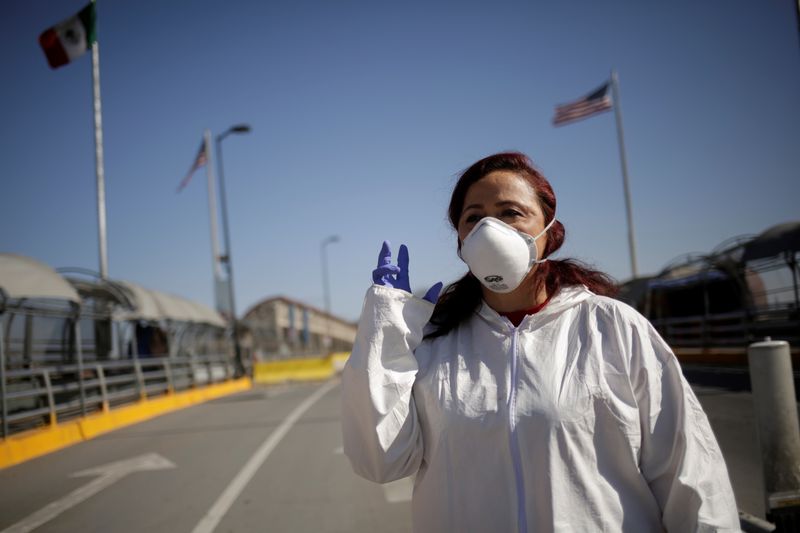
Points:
point(226, 259)
point(325, 284)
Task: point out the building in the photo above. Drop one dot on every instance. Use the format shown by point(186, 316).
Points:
point(279, 327)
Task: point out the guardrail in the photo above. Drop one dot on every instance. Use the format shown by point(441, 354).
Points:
point(737, 329)
point(46, 395)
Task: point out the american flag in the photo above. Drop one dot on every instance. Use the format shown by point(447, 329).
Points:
point(591, 104)
point(199, 161)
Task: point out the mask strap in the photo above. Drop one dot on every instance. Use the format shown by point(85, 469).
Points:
point(547, 227)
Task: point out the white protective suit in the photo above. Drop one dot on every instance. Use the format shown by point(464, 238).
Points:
point(577, 420)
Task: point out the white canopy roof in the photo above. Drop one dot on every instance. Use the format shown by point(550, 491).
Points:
point(154, 305)
point(23, 277)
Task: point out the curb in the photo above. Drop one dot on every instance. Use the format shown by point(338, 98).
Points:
point(37, 442)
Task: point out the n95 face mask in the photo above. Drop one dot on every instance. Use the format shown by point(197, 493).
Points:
point(499, 255)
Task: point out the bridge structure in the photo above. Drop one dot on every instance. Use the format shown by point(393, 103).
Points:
point(128, 413)
point(710, 306)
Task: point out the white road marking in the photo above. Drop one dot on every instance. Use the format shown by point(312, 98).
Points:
point(399, 491)
point(108, 475)
point(229, 495)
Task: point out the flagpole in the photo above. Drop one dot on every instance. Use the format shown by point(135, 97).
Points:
point(624, 163)
point(98, 158)
point(212, 214)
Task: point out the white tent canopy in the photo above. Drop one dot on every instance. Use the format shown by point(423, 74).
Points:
point(23, 277)
point(155, 305)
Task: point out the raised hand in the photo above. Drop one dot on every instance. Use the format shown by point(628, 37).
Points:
point(396, 276)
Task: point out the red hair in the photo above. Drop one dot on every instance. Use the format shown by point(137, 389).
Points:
point(462, 298)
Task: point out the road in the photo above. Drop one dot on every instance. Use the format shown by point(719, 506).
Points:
point(268, 459)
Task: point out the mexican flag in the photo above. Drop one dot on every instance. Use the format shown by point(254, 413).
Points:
point(70, 38)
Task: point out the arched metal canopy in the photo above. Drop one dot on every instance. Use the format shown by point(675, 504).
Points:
point(25, 278)
point(28, 280)
point(774, 242)
point(156, 305)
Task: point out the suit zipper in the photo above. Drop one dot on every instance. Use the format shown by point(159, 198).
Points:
point(516, 459)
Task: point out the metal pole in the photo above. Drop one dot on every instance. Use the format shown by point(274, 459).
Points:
point(778, 432)
point(101, 376)
point(98, 159)
point(797, 13)
point(624, 163)
point(3, 406)
point(140, 383)
point(792, 262)
point(326, 285)
point(79, 356)
point(168, 374)
point(326, 295)
point(229, 260)
point(212, 210)
point(51, 403)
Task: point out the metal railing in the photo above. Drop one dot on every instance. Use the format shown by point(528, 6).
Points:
point(45, 395)
point(736, 329)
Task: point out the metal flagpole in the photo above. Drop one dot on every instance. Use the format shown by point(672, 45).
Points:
point(98, 158)
point(624, 163)
point(237, 348)
point(212, 214)
point(797, 12)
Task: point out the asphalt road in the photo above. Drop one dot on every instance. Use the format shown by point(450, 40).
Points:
point(263, 460)
point(304, 483)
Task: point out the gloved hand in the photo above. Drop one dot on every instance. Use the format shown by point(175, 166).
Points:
point(396, 276)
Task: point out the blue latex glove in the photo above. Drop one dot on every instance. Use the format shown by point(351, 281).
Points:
point(396, 276)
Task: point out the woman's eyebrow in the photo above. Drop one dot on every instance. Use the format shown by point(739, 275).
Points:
point(504, 203)
point(501, 203)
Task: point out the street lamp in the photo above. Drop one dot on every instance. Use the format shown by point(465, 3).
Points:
point(325, 284)
point(226, 259)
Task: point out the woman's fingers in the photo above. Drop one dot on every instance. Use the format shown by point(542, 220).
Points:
point(383, 274)
point(380, 274)
point(433, 293)
point(385, 255)
point(402, 262)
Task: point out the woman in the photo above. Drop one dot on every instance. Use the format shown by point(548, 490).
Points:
point(526, 399)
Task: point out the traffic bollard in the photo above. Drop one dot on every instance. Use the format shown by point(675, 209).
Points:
point(772, 383)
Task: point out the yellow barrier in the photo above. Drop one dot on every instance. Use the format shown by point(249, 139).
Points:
point(305, 369)
point(24, 446)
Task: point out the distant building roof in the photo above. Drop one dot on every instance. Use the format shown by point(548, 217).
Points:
point(290, 301)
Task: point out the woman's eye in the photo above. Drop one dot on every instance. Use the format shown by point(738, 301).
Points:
point(511, 213)
point(472, 218)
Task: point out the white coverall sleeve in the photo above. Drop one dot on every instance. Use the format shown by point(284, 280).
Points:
point(680, 457)
point(381, 433)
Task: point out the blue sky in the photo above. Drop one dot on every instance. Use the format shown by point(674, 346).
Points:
point(363, 113)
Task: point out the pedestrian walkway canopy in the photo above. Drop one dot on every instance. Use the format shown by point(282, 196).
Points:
point(32, 284)
point(24, 279)
point(153, 305)
point(777, 240)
